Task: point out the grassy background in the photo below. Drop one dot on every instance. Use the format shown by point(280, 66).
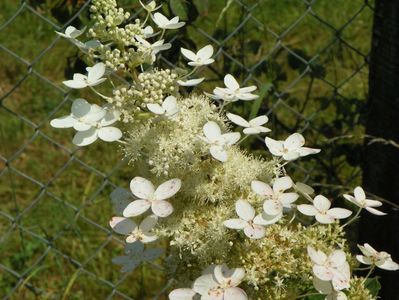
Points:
point(54, 209)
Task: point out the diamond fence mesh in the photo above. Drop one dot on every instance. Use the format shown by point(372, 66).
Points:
point(308, 58)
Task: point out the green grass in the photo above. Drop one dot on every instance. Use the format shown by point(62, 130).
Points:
point(50, 215)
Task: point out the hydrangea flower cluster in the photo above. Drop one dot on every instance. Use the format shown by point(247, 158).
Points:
point(214, 203)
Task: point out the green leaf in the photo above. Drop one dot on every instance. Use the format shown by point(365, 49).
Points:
point(179, 8)
point(373, 285)
point(256, 104)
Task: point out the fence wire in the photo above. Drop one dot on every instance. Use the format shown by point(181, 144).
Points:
point(309, 59)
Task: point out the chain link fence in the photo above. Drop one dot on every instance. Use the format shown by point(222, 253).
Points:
point(308, 58)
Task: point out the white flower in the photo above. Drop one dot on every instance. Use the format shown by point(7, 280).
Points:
point(291, 148)
point(148, 32)
point(71, 33)
point(321, 210)
point(91, 121)
point(191, 82)
point(252, 226)
point(218, 141)
point(201, 58)
point(151, 197)
point(221, 284)
point(101, 129)
point(382, 260)
point(164, 23)
point(93, 78)
point(333, 267)
point(360, 200)
point(182, 294)
point(326, 287)
point(304, 188)
point(155, 48)
point(276, 199)
point(168, 108)
point(233, 92)
point(142, 233)
point(151, 6)
point(253, 126)
point(135, 255)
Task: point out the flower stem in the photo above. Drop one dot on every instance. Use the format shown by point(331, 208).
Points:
point(368, 274)
point(99, 94)
point(353, 219)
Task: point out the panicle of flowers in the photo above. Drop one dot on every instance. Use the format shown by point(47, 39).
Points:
point(215, 203)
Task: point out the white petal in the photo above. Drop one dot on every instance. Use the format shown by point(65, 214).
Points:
point(245, 210)
point(364, 260)
point(235, 293)
point(389, 265)
point(218, 153)
point(120, 198)
point(96, 72)
point(63, 122)
point(304, 151)
point(294, 142)
point(339, 213)
point(247, 96)
point(324, 219)
point(122, 225)
point(322, 286)
point(261, 188)
point(167, 189)
point(155, 108)
point(205, 53)
point(141, 187)
point(255, 231)
point(281, 184)
point(231, 82)
point(109, 134)
point(148, 237)
point(307, 209)
point(84, 138)
point(318, 257)
point(181, 294)
point(321, 203)
point(322, 272)
point(231, 138)
point(190, 55)
point(259, 121)
point(235, 224)
point(236, 119)
point(373, 203)
point(79, 126)
point(337, 258)
point(204, 283)
point(148, 223)
point(111, 116)
point(191, 82)
point(304, 188)
point(288, 198)
point(292, 155)
point(170, 103)
point(375, 211)
point(212, 131)
point(359, 193)
point(272, 207)
point(248, 89)
point(265, 219)
point(251, 130)
point(80, 108)
point(275, 147)
point(162, 208)
point(75, 84)
point(136, 208)
point(228, 277)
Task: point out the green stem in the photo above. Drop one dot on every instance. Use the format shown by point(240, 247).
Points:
point(99, 94)
point(368, 274)
point(353, 219)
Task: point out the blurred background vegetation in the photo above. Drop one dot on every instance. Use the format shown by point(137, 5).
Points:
point(308, 58)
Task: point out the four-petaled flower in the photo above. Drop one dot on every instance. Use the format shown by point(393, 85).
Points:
point(155, 48)
point(169, 107)
point(251, 224)
point(135, 255)
point(291, 148)
point(360, 200)
point(276, 199)
point(164, 23)
point(71, 33)
point(253, 126)
point(201, 58)
point(232, 92)
point(322, 211)
point(333, 267)
point(151, 197)
point(218, 141)
point(326, 287)
point(142, 233)
point(221, 284)
point(93, 77)
point(151, 6)
point(382, 260)
point(191, 82)
point(91, 121)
